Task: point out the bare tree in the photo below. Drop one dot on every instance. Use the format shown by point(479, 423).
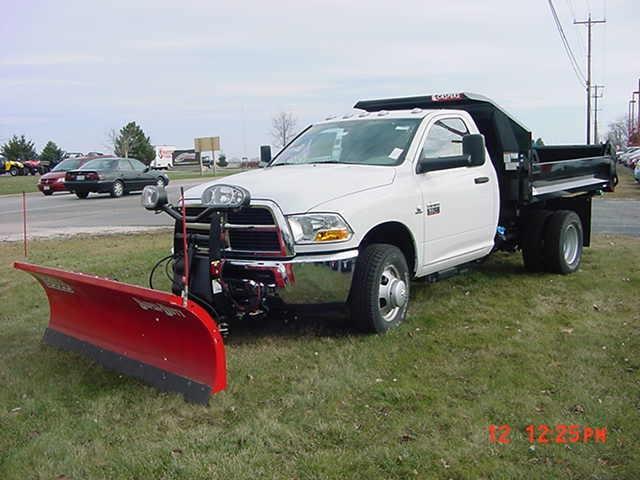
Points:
point(283, 128)
point(110, 140)
point(618, 133)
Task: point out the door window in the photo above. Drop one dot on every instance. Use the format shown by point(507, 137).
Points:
point(444, 139)
point(137, 165)
point(125, 165)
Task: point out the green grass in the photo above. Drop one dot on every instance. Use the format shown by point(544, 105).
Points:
point(627, 188)
point(311, 399)
point(18, 184)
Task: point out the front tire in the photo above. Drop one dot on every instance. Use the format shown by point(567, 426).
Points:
point(563, 242)
point(117, 189)
point(13, 171)
point(380, 289)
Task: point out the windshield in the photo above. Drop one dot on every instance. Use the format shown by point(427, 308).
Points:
point(362, 142)
point(70, 164)
point(100, 164)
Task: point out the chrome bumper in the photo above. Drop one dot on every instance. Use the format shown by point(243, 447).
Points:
point(306, 279)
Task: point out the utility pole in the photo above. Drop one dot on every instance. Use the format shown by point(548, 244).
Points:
point(632, 96)
point(596, 96)
point(589, 23)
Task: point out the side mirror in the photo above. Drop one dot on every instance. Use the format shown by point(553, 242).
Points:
point(146, 169)
point(265, 155)
point(473, 146)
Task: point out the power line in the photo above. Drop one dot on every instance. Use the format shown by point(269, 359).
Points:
point(565, 43)
point(577, 33)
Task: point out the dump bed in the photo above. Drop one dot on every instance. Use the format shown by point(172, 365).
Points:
point(526, 174)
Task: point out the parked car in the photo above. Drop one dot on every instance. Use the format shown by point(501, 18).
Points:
point(54, 180)
point(11, 167)
point(628, 154)
point(632, 159)
point(116, 176)
point(636, 172)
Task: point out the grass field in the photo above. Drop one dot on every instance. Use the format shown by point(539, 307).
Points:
point(312, 399)
point(12, 185)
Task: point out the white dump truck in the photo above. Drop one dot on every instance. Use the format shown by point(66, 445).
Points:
point(358, 205)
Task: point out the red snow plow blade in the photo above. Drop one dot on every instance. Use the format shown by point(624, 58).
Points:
point(143, 333)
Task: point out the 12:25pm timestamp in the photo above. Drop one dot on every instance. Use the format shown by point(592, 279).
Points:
point(550, 434)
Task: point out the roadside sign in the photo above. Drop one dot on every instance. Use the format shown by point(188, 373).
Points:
point(206, 144)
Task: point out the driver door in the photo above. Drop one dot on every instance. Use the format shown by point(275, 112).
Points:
point(458, 203)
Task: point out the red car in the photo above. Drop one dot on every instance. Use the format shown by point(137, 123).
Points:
point(54, 180)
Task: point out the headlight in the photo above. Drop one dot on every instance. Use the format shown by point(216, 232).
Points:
point(225, 196)
point(319, 228)
point(154, 197)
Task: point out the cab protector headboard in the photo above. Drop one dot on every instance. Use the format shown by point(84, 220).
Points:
point(502, 132)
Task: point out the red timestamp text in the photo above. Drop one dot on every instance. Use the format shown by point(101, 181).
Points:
point(544, 434)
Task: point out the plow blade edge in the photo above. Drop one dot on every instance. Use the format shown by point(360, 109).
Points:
point(143, 333)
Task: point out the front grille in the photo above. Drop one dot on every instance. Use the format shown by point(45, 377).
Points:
point(251, 229)
point(250, 216)
point(254, 240)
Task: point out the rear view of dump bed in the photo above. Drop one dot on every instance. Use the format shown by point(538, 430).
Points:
point(526, 174)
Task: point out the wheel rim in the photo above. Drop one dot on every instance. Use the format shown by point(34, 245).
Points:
point(571, 244)
point(118, 188)
point(160, 182)
point(392, 293)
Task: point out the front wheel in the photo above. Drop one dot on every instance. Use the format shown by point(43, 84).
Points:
point(380, 288)
point(13, 171)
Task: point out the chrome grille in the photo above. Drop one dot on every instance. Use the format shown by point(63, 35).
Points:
point(251, 229)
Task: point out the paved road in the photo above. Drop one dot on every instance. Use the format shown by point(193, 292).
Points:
point(65, 214)
point(616, 217)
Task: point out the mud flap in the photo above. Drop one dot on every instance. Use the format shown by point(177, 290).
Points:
point(143, 333)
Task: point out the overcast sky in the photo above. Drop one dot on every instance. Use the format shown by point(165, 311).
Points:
point(73, 70)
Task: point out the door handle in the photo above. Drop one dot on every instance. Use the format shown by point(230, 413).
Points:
point(479, 180)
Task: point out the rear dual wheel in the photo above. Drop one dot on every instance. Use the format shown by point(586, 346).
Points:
point(552, 241)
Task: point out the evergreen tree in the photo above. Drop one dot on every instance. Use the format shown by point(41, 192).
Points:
point(51, 154)
point(132, 142)
point(19, 148)
point(222, 160)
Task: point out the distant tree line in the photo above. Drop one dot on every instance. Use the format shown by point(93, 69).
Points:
point(130, 141)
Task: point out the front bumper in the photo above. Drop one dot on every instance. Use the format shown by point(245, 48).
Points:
point(304, 279)
point(52, 187)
